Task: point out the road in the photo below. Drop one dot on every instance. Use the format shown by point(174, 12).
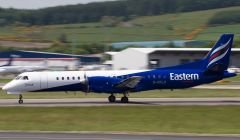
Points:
point(88, 136)
point(133, 102)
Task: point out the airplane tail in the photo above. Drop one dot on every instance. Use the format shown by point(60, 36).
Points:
point(218, 58)
point(216, 61)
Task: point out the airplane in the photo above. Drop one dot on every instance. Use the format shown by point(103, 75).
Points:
point(10, 69)
point(211, 68)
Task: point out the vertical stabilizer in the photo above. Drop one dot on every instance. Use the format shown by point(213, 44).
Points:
point(218, 58)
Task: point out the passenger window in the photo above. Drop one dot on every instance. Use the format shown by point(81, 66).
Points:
point(73, 78)
point(57, 78)
point(68, 78)
point(62, 78)
point(78, 78)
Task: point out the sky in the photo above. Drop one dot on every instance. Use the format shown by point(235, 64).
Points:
point(36, 4)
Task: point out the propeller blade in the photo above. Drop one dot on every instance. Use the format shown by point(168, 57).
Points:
point(86, 83)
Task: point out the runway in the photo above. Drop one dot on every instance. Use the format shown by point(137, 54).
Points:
point(88, 136)
point(211, 86)
point(133, 102)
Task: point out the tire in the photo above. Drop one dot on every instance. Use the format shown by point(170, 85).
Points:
point(20, 101)
point(112, 99)
point(124, 100)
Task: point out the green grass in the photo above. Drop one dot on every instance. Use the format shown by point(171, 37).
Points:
point(164, 27)
point(211, 33)
point(180, 119)
point(5, 80)
point(187, 93)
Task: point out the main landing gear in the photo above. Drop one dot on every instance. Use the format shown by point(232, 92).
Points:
point(20, 101)
point(112, 99)
point(124, 99)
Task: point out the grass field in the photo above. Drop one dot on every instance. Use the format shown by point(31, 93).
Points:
point(211, 33)
point(191, 25)
point(5, 80)
point(187, 119)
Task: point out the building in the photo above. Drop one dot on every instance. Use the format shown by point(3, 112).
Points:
point(148, 58)
point(54, 60)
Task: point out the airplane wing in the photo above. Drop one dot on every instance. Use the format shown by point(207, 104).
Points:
point(131, 82)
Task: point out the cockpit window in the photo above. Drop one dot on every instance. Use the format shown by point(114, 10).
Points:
point(25, 78)
point(18, 77)
point(22, 78)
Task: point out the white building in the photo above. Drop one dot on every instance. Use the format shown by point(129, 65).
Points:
point(147, 58)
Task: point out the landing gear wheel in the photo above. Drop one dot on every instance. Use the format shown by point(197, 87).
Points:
point(112, 99)
point(124, 100)
point(20, 101)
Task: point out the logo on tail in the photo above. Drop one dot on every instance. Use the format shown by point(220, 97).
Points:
point(219, 53)
point(218, 58)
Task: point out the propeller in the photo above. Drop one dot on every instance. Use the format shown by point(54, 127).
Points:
point(85, 82)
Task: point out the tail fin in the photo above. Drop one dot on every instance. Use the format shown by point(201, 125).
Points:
point(218, 58)
point(216, 61)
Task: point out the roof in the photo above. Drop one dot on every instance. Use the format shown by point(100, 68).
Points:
point(54, 54)
point(38, 54)
point(111, 53)
point(35, 55)
point(151, 50)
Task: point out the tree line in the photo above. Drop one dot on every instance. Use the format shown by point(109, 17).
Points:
point(94, 12)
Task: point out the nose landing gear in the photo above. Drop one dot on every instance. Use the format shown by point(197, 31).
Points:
point(20, 101)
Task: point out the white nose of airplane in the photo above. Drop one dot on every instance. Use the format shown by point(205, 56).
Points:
point(6, 87)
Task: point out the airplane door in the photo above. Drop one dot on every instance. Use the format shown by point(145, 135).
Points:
point(44, 81)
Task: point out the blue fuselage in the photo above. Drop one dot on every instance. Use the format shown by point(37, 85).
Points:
point(156, 79)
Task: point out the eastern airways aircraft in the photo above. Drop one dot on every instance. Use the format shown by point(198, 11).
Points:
point(10, 69)
point(211, 68)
